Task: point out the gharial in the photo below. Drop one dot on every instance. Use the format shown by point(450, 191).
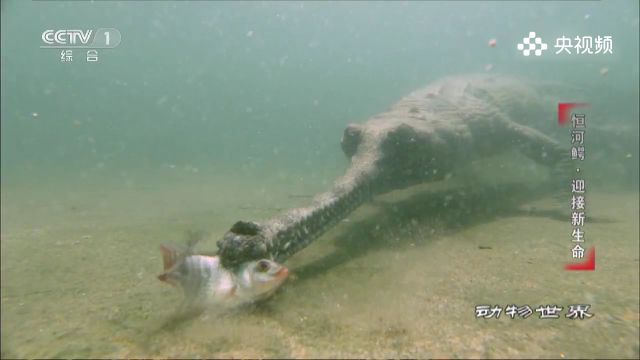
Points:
point(419, 139)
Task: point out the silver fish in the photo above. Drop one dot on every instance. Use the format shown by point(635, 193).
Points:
point(205, 282)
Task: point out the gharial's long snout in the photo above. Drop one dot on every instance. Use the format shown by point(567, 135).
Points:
point(242, 243)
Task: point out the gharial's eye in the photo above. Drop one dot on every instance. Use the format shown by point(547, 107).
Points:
point(262, 266)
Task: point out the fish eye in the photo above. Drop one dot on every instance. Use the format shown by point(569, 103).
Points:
point(262, 266)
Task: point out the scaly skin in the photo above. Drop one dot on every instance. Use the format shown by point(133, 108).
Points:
point(419, 139)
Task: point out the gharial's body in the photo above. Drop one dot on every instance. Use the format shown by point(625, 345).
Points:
point(421, 138)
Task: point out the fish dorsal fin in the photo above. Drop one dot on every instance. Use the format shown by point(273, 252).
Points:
point(193, 238)
point(169, 257)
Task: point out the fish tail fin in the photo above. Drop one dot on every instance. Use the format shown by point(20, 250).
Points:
point(170, 259)
point(169, 256)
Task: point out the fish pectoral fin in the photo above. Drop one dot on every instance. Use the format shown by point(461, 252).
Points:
point(231, 292)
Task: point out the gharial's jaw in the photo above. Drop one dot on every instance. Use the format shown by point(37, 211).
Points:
point(245, 241)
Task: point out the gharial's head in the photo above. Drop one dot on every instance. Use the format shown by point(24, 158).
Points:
point(244, 242)
point(261, 278)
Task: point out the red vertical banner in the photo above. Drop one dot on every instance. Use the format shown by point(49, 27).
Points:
point(588, 265)
point(564, 111)
point(564, 115)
